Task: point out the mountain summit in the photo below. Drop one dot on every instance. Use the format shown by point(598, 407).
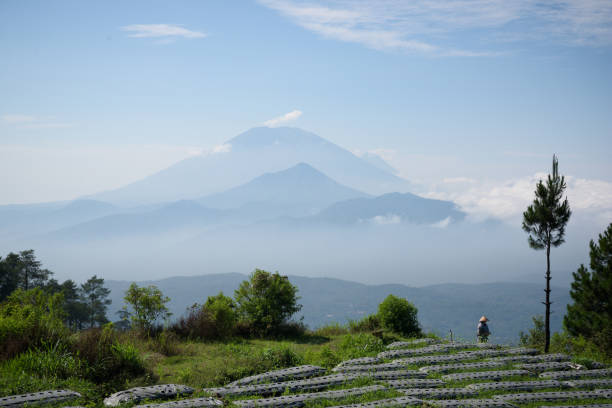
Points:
point(299, 190)
point(248, 155)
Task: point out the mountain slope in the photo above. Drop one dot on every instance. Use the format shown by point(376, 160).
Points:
point(391, 208)
point(177, 216)
point(299, 190)
point(255, 152)
point(21, 220)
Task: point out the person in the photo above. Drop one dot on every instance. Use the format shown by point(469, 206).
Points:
point(483, 330)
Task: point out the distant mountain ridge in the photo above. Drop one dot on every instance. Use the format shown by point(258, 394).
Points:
point(301, 189)
point(252, 153)
point(455, 307)
point(391, 208)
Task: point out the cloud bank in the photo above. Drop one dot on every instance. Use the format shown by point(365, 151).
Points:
point(429, 26)
point(508, 199)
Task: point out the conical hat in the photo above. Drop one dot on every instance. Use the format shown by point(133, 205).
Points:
point(483, 319)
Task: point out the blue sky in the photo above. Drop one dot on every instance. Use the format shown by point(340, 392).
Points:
point(471, 92)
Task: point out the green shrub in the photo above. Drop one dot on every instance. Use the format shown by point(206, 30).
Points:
point(266, 301)
point(108, 359)
point(216, 319)
point(333, 329)
point(367, 324)
point(48, 361)
point(399, 316)
point(222, 311)
point(360, 345)
point(28, 319)
point(536, 336)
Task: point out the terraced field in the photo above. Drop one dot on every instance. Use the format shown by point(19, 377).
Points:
point(417, 373)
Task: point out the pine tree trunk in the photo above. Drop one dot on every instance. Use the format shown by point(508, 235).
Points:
point(547, 303)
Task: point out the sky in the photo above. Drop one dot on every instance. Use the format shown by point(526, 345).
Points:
point(467, 98)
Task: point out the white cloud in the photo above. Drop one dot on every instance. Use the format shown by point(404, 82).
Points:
point(30, 122)
point(218, 149)
point(224, 148)
point(17, 119)
point(455, 180)
point(442, 223)
point(166, 32)
point(429, 26)
point(387, 219)
point(287, 117)
point(507, 200)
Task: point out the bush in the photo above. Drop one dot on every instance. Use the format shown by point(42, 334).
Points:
point(30, 319)
point(147, 306)
point(48, 361)
point(333, 329)
point(214, 320)
point(360, 345)
point(536, 336)
point(399, 316)
point(108, 360)
point(367, 324)
point(266, 301)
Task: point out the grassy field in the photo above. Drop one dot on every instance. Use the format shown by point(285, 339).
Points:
point(201, 365)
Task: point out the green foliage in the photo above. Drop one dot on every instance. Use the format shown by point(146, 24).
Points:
point(546, 218)
point(545, 222)
point(369, 323)
point(536, 335)
point(96, 299)
point(147, 305)
point(332, 329)
point(23, 271)
point(29, 318)
point(108, 359)
point(399, 316)
point(590, 316)
point(266, 301)
point(48, 361)
point(214, 320)
point(360, 345)
point(222, 312)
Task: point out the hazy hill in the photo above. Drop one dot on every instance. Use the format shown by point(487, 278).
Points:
point(299, 190)
point(458, 307)
point(173, 217)
point(391, 208)
point(250, 154)
point(28, 219)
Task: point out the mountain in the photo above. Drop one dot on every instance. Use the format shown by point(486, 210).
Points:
point(179, 216)
point(379, 162)
point(299, 190)
point(455, 307)
point(21, 220)
point(252, 153)
point(391, 208)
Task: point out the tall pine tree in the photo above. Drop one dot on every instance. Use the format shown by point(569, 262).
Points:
point(545, 222)
point(591, 313)
point(95, 295)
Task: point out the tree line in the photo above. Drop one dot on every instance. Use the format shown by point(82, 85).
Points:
point(84, 305)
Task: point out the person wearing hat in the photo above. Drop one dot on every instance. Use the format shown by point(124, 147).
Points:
point(483, 330)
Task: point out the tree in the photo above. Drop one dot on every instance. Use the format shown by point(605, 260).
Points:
point(9, 275)
point(31, 273)
point(77, 311)
point(95, 296)
point(148, 305)
point(399, 316)
point(590, 315)
point(545, 222)
point(267, 300)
